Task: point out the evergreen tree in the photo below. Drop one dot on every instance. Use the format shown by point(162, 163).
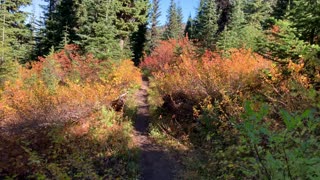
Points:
point(154, 20)
point(138, 43)
point(33, 27)
point(206, 25)
point(15, 36)
point(225, 10)
point(196, 22)
point(174, 24)
point(96, 25)
point(139, 40)
point(130, 14)
point(60, 20)
point(179, 15)
point(281, 8)
point(258, 11)
point(96, 29)
point(239, 32)
point(188, 31)
point(231, 36)
point(305, 16)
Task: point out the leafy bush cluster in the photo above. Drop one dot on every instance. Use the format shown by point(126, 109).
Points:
point(205, 96)
point(57, 120)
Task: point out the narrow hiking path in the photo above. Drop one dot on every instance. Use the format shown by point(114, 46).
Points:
point(155, 162)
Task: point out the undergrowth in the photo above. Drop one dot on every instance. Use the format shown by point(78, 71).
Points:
point(201, 101)
point(57, 121)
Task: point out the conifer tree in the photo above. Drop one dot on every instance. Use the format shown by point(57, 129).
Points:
point(258, 11)
point(154, 20)
point(15, 36)
point(239, 32)
point(60, 20)
point(224, 9)
point(96, 29)
point(174, 24)
point(129, 16)
point(281, 8)
point(179, 15)
point(34, 29)
point(206, 25)
point(188, 31)
point(139, 40)
point(306, 19)
point(232, 34)
point(196, 22)
point(138, 43)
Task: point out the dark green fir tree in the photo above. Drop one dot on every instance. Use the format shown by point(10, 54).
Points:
point(174, 25)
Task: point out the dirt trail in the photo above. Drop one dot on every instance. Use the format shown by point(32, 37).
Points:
point(155, 163)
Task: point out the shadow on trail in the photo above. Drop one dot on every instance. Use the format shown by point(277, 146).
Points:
point(155, 161)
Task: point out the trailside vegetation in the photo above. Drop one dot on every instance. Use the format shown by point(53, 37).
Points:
point(240, 98)
point(234, 92)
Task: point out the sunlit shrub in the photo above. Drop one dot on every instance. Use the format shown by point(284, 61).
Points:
point(212, 75)
point(65, 86)
point(56, 117)
point(229, 80)
point(203, 95)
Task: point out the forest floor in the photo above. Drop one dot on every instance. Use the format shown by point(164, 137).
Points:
point(156, 162)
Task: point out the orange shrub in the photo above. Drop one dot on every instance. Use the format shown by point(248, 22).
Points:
point(65, 86)
point(228, 81)
point(212, 75)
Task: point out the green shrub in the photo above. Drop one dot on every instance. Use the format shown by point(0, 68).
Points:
point(289, 152)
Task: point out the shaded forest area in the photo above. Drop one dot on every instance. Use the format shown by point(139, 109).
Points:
point(234, 91)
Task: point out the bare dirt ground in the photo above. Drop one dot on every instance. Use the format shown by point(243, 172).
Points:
point(155, 161)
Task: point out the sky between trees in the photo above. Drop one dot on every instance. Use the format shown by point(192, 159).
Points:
point(188, 7)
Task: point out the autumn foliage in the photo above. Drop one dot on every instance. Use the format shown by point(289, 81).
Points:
point(62, 94)
point(229, 79)
point(65, 86)
point(202, 97)
point(166, 54)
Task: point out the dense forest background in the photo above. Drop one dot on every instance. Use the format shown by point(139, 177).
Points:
point(234, 90)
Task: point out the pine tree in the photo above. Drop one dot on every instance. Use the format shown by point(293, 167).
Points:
point(231, 36)
point(306, 19)
point(179, 15)
point(33, 27)
point(97, 31)
point(281, 8)
point(239, 33)
point(206, 25)
point(258, 11)
point(174, 24)
point(154, 20)
point(139, 41)
point(106, 26)
point(15, 33)
point(15, 36)
point(60, 19)
point(196, 22)
point(129, 16)
point(188, 31)
point(225, 10)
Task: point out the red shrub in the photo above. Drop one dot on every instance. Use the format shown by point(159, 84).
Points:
point(166, 53)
